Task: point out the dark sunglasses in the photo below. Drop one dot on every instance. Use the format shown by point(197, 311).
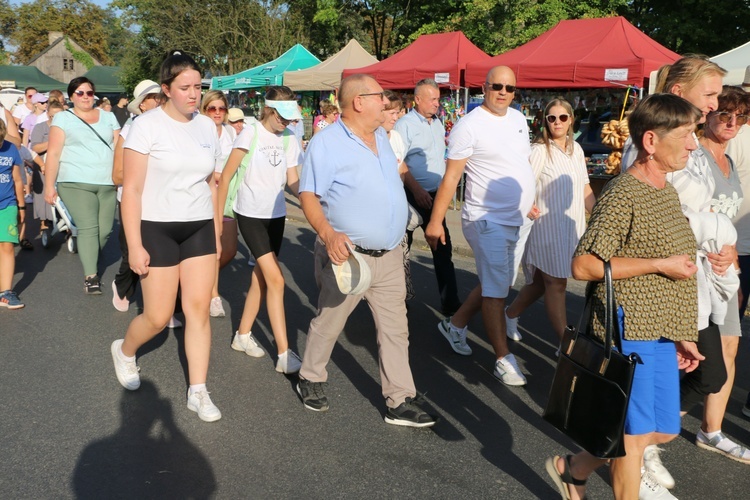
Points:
point(214, 109)
point(726, 117)
point(497, 87)
point(81, 93)
point(553, 118)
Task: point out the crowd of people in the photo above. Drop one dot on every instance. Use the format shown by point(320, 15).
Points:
point(190, 174)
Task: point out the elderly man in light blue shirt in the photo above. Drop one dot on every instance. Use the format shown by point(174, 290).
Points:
point(352, 195)
point(424, 141)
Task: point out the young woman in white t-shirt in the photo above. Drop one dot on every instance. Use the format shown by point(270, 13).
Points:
point(271, 154)
point(169, 214)
point(215, 106)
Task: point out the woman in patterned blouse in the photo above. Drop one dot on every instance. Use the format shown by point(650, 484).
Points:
point(638, 226)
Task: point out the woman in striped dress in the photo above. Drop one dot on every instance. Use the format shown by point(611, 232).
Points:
point(563, 195)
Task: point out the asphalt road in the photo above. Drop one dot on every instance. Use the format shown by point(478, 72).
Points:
point(68, 429)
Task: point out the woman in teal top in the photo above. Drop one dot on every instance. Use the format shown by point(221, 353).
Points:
point(79, 159)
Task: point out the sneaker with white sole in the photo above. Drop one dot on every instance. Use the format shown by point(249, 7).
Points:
point(174, 323)
point(651, 489)
point(288, 362)
point(126, 371)
point(121, 305)
point(506, 369)
point(511, 327)
point(200, 402)
point(409, 414)
point(721, 444)
point(10, 300)
point(455, 336)
point(313, 395)
point(652, 463)
point(216, 309)
point(248, 345)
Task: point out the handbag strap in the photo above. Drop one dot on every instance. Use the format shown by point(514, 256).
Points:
point(611, 324)
point(92, 128)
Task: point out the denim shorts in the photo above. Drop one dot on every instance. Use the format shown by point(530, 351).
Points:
point(494, 247)
point(655, 396)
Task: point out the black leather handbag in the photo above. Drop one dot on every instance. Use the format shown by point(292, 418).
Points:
point(591, 388)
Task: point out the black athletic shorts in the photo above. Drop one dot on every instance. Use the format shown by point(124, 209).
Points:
point(169, 243)
point(262, 236)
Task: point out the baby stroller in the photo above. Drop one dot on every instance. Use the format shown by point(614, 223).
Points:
point(62, 222)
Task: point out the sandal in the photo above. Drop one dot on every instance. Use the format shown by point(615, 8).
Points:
point(562, 480)
point(736, 452)
point(26, 244)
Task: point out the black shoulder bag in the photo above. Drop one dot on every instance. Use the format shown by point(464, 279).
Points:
point(591, 388)
point(92, 129)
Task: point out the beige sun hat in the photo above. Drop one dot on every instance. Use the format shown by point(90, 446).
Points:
point(235, 115)
point(353, 276)
point(143, 89)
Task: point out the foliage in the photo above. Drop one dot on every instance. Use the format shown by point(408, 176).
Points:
point(8, 21)
point(81, 20)
point(82, 57)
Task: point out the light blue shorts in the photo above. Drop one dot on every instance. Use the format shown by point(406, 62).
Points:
point(655, 396)
point(494, 247)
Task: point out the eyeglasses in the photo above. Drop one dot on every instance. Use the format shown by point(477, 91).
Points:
point(552, 118)
point(214, 109)
point(81, 93)
point(381, 94)
point(497, 87)
point(726, 117)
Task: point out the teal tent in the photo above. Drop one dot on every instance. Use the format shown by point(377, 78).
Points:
point(106, 79)
point(21, 77)
point(270, 73)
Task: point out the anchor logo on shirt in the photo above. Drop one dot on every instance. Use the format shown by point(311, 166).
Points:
point(275, 159)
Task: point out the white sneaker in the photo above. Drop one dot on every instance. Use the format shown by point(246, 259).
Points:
point(126, 371)
point(121, 305)
point(652, 463)
point(651, 489)
point(506, 369)
point(216, 309)
point(511, 327)
point(249, 345)
point(174, 323)
point(200, 402)
point(456, 337)
point(288, 362)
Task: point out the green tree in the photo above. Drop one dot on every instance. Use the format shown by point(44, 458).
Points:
point(8, 21)
point(80, 20)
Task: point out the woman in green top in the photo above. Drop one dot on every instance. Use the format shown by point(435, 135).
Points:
point(638, 226)
point(79, 159)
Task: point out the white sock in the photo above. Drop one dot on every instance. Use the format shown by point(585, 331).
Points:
point(123, 357)
point(197, 388)
point(711, 435)
point(244, 336)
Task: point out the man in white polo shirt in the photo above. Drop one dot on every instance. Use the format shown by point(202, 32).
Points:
point(491, 144)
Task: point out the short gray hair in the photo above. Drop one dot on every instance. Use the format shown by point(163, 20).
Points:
point(425, 81)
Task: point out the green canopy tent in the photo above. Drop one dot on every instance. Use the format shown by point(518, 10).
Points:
point(270, 73)
point(21, 77)
point(106, 79)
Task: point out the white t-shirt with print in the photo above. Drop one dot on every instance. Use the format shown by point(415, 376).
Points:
point(500, 183)
point(181, 156)
point(261, 194)
point(226, 142)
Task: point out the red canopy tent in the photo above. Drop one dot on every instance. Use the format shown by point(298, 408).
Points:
point(442, 56)
point(581, 53)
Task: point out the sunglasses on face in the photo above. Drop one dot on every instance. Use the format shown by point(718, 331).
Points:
point(497, 87)
point(214, 109)
point(81, 93)
point(726, 117)
point(552, 118)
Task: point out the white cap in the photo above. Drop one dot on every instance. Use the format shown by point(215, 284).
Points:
point(287, 109)
point(143, 89)
point(353, 276)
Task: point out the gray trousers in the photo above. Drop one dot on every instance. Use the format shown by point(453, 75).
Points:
point(386, 300)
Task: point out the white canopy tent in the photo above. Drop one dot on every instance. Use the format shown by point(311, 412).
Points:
point(735, 62)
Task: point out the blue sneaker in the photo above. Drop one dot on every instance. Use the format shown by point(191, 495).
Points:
point(10, 300)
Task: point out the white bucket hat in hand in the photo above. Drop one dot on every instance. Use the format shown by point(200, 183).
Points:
point(353, 276)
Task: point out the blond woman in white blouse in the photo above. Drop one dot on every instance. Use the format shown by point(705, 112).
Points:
point(563, 196)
